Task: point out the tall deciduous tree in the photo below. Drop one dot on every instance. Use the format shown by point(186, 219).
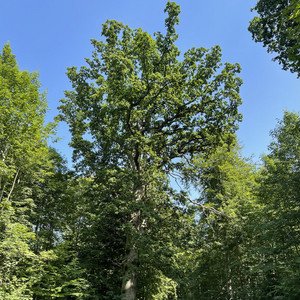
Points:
point(35, 196)
point(224, 257)
point(23, 152)
point(137, 112)
point(56, 221)
point(279, 193)
point(277, 26)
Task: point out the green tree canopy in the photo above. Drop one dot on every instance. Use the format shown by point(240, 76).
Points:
point(23, 158)
point(279, 193)
point(277, 26)
point(223, 258)
point(137, 112)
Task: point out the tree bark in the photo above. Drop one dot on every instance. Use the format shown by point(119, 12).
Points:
point(13, 185)
point(129, 285)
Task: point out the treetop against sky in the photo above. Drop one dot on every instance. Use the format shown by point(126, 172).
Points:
point(50, 36)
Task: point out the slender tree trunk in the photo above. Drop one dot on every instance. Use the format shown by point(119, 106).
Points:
point(11, 189)
point(2, 191)
point(13, 185)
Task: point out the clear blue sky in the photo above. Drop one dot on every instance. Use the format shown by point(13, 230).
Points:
point(50, 35)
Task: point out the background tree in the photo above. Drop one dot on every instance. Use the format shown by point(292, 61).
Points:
point(23, 152)
point(279, 193)
point(57, 221)
point(137, 113)
point(225, 253)
point(277, 26)
point(33, 201)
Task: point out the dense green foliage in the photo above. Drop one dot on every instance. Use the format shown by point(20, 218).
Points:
point(33, 204)
point(161, 204)
point(277, 26)
point(226, 227)
point(279, 193)
point(23, 155)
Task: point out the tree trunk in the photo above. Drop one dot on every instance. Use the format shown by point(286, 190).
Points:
point(229, 281)
point(129, 285)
